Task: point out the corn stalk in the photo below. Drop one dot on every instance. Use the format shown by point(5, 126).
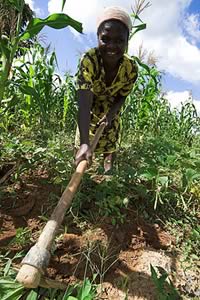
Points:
point(8, 47)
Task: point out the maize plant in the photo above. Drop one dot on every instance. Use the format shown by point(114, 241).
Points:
point(10, 43)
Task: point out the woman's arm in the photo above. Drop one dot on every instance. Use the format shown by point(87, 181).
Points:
point(85, 99)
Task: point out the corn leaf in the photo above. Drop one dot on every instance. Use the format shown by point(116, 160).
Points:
point(57, 21)
point(137, 28)
point(4, 48)
point(135, 16)
point(146, 67)
point(28, 90)
point(63, 4)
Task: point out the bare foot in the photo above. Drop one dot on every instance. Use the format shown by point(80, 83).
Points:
point(108, 162)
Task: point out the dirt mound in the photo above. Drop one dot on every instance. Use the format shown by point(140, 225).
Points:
point(134, 281)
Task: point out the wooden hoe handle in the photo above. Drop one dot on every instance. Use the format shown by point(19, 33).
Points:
point(37, 259)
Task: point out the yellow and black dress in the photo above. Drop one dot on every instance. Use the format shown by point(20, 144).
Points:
point(91, 76)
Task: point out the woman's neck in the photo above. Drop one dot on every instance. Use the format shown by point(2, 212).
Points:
point(111, 71)
point(110, 67)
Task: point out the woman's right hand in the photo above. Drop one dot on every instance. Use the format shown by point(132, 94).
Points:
point(84, 153)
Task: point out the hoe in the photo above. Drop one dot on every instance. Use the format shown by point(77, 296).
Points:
point(34, 264)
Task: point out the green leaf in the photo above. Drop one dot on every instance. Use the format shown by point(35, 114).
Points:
point(154, 275)
point(195, 235)
point(171, 159)
point(57, 21)
point(149, 173)
point(162, 279)
point(163, 180)
point(137, 28)
point(63, 4)
point(191, 175)
point(28, 90)
point(32, 296)
point(4, 47)
point(10, 290)
point(86, 289)
point(7, 267)
point(144, 66)
point(89, 297)
point(136, 17)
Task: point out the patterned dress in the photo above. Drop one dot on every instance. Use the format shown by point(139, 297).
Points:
point(91, 76)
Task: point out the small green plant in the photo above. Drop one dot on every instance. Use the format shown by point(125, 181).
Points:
point(191, 244)
point(111, 206)
point(6, 263)
point(12, 290)
point(22, 237)
point(86, 291)
point(165, 289)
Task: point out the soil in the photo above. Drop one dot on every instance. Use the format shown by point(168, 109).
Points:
point(120, 255)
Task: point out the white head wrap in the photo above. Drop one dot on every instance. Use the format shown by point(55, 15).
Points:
point(116, 13)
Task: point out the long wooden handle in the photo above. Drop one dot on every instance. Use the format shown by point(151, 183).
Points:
point(37, 258)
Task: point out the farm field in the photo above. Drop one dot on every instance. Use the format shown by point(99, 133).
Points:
point(131, 234)
point(110, 235)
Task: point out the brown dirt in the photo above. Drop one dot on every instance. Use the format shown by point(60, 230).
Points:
point(119, 255)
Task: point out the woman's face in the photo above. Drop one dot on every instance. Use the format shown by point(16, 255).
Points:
point(112, 41)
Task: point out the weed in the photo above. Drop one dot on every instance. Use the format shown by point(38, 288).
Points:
point(22, 237)
point(6, 263)
point(165, 289)
point(86, 291)
point(10, 289)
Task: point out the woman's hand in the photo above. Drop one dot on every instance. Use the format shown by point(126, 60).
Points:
point(84, 153)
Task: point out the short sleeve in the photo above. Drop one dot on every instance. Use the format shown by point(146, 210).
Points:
point(85, 74)
point(131, 76)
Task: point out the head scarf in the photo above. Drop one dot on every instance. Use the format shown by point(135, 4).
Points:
point(116, 13)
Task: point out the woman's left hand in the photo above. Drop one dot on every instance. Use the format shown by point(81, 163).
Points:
point(84, 153)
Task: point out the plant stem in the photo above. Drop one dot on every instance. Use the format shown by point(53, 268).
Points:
point(6, 65)
point(7, 61)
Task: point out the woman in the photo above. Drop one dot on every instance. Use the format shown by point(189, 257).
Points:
point(105, 77)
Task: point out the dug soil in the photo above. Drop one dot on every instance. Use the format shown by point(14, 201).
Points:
point(118, 255)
